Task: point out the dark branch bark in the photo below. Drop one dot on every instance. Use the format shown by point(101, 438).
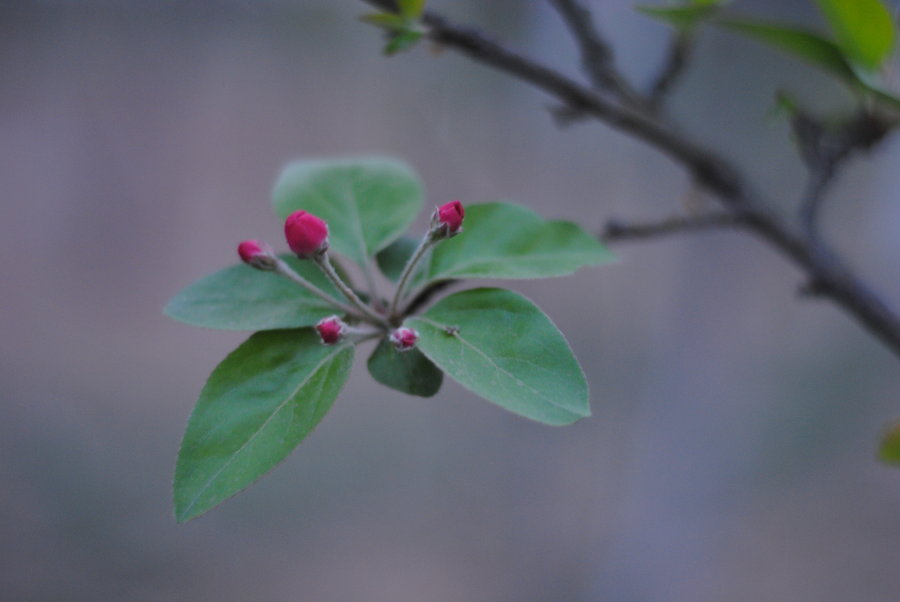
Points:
point(821, 267)
point(677, 58)
point(596, 54)
point(616, 231)
point(824, 149)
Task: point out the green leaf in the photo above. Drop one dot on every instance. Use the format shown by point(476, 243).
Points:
point(501, 240)
point(864, 29)
point(257, 405)
point(244, 298)
point(408, 371)
point(890, 445)
point(402, 40)
point(392, 259)
point(803, 44)
point(388, 21)
point(411, 9)
point(501, 346)
point(681, 17)
point(367, 202)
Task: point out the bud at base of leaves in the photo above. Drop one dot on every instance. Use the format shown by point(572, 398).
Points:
point(331, 330)
point(306, 234)
point(404, 338)
point(257, 254)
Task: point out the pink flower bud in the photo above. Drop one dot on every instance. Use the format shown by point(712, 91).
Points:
point(331, 330)
point(306, 234)
point(446, 221)
point(257, 254)
point(451, 215)
point(404, 338)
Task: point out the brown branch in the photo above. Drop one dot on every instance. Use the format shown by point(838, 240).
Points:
point(820, 266)
point(677, 57)
point(596, 54)
point(616, 231)
point(824, 149)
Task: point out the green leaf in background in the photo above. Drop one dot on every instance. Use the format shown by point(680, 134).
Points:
point(890, 445)
point(388, 21)
point(681, 16)
point(367, 202)
point(408, 371)
point(501, 346)
point(403, 40)
point(257, 405)
point(411, 9)
point(864, 29)
point(392, 259)
point(501, 240)
point(243, 298)
point(804, 44)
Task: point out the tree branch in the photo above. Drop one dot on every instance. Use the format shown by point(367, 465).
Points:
point(616, 230)
point(821, 267)
point(596, 54)
point(824, 149)
point(677, 56)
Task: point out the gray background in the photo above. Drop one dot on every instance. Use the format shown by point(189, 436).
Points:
point(731, 451)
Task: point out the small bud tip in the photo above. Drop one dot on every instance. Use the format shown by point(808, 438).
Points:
point(447, 220)
point(257, 254)
point(331, 330)
point(306, 234)
point(404, 338)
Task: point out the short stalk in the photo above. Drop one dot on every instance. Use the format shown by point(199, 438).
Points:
point(408, 271)
point(373, 290)
point(285, 270)
point(324, 263)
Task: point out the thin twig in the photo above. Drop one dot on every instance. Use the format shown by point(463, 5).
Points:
point(283, 269)
point(374, 297)
point(616, 231)
point(712, 171)
point(824, 149)
point(677, 57)
point(597, 58)
point(813, 197)
point(324, 262)
point(408, 271)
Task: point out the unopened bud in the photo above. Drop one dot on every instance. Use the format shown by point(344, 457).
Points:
point(447, 220)
point(257, 254)
point(306, 234)
point(331, 330)
point(404, 338)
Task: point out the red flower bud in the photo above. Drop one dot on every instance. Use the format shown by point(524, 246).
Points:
point(306, 234)
point(331, 330)
point(257, 254)
point(404, 338)
point(451, 215)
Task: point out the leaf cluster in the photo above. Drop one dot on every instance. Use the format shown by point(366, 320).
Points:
point(861, 39)
point(402, 28)
point(273, 390)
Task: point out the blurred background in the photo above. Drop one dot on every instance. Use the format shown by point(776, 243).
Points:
point(731, 454)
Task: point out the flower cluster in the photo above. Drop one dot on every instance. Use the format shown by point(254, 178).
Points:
point(307, 237)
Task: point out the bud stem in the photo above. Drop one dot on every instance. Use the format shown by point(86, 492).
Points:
point(408, 271)
point(285, 270)
point(324, 263)
point(373, 289)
